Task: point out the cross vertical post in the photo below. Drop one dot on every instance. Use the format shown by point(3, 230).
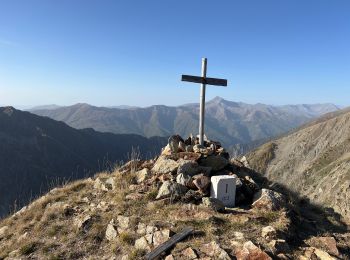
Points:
point(204, 81)
point(202, 103)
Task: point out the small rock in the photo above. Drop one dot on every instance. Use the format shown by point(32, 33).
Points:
point(183, 179)
point(122, 223)
point(166, 151)
point(111, 232)
point(141, 229)
point(189, 253)
point(201, 182)
point(142, 175)
point(3, 231)
point(181, 147)
point(105, 184)
point(268, 200)
point(83, 222)
point(151, 229)
point(268, 232)
point(187, 167)
point(216, 162)
point(325, 243)
point(164, 165)
point(238, 235)
point(134, 196)
point(251, 252)
point(169, 257)
point(279, 246)
point(142, 244)
point(213, 203)
point(159, 237)
point(213, 249)
point(171, 189)
point(189, 148)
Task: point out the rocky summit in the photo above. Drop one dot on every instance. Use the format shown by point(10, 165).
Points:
point(141, 209)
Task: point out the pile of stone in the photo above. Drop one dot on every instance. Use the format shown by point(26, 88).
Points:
point(185, 169)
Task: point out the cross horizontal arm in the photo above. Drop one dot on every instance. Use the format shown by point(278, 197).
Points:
point(202, 80)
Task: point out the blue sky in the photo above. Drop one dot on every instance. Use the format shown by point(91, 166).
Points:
point(134, 52)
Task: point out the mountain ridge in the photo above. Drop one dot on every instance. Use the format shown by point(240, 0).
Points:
point(226, 121)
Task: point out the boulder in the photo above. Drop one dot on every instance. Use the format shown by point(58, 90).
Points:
point(111, 231)
point(251, 252)
point(171, 189)
point(268, 200)
point(173, 142)
point(213, 203)
point(142, 175)
point(214, 250)
point(164, 165)
point(216, 162)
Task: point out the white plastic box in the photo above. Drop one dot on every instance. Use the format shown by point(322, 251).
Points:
point(223, 188)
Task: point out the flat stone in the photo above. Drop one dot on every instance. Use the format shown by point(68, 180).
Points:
point(268, 200)
point(164, 165)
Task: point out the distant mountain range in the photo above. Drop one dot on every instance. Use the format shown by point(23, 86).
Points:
point(229, 122)
point(313, 161)
point(37, 153)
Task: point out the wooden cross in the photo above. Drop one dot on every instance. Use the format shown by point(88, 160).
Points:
point(204, 81)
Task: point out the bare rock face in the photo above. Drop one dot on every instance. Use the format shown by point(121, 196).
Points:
point(214, 250)
point(171, 189)
point(268, 200)
point(251, 252)
point(164, 165)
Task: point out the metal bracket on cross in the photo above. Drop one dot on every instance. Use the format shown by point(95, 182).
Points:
point(204, 81)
